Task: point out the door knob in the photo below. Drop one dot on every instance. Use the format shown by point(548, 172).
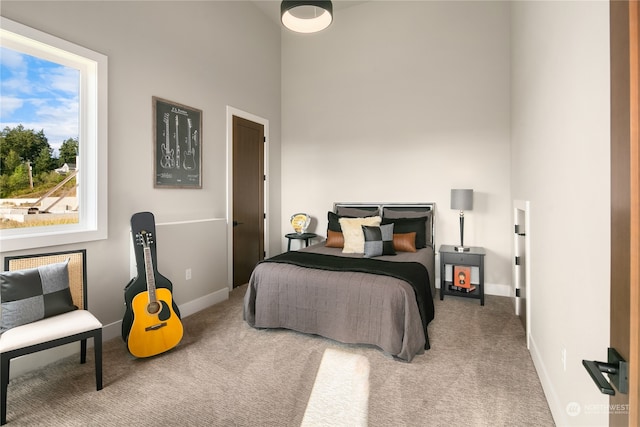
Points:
point(236, 223)
point(617, 369)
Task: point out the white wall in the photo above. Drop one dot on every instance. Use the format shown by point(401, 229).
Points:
point(402, 101)
point(206, 55)
point(560, 163)
point(398, 101)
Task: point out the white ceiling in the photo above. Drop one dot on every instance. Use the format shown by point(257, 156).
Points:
point(271, 8)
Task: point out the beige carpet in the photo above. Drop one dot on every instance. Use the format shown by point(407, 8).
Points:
point(225, 373)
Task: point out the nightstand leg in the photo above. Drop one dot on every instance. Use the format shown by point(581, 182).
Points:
point(442, 279)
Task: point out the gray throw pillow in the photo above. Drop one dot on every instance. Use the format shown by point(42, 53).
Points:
point(354, 212)
point(378, 240)
point(34, 294)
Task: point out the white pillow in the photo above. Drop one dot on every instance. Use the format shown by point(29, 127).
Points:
point(353, 234)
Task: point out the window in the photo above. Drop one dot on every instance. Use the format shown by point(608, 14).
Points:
point(91, 115)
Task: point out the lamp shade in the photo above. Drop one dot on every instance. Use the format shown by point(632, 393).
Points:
point(306, 16)
point(462, 199)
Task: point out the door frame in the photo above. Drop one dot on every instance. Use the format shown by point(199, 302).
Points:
point(231, 112)
point(625, 203)
point(523, 206)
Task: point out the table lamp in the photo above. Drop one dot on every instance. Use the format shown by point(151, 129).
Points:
point(462, 200)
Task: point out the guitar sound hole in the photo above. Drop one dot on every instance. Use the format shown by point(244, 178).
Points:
point(153, 307)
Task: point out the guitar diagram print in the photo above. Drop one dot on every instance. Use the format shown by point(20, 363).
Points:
point(178, 144)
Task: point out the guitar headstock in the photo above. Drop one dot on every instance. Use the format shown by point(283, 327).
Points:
point(166, 118)
point(144, 238)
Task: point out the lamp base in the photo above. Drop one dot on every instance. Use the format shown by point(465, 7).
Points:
point(462, 248)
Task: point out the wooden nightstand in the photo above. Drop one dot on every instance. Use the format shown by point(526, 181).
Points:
point(472, 258)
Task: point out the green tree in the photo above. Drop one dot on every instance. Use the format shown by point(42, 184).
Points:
point(68, 151)
point(5, 191)
point(44, 162)
point(19, 179)
point(10, 162)
point(27, 143)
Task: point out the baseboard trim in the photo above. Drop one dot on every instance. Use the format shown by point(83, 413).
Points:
point(557, 411)
point(31, 362)
point(114, 329)
point(496, 289)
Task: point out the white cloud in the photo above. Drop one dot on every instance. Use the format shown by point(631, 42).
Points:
point(39, 95)
point(12, 59)
point(66, 80)
point(9, 105)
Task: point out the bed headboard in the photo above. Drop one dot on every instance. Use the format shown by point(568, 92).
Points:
point(379, 208)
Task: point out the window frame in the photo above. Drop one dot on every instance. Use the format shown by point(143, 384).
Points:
point(92, 139)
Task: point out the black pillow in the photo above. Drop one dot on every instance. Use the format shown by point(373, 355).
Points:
point(334, 224)
point(408, 225)
point(404, 212)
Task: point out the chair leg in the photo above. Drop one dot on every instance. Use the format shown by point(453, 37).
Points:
point(4, 379)
point(83, 351)
point(97, 347)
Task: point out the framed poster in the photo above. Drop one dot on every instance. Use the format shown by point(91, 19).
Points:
point(177, 143)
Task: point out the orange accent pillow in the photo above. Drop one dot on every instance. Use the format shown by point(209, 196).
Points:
point(404, 242)
point(335, 239)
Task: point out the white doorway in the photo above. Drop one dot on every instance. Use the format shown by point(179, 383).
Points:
point(521, 264)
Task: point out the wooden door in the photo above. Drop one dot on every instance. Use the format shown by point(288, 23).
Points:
point(625, 209)
point(248, 198)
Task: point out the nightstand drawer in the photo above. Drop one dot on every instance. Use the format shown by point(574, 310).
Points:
point(461, 259)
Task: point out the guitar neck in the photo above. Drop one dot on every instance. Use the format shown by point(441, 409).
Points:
point(166, 134)
point(151, 279)
point(177, 145)
point(189, 136)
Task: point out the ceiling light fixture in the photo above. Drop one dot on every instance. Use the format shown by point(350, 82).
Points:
point(306, 16)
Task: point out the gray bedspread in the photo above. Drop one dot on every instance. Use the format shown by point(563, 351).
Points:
point(350, 307)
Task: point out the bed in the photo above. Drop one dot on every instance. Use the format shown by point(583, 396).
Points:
point(350, 293)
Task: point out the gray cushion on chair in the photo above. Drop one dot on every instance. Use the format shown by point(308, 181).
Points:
point(33, 294)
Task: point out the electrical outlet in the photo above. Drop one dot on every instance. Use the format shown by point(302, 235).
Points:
point(187, 274)
point(564, 359)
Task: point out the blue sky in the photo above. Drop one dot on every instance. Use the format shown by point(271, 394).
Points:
point(40, 95)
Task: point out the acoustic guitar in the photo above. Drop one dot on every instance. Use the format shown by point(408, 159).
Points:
point(151, 323)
